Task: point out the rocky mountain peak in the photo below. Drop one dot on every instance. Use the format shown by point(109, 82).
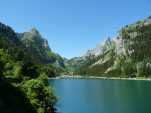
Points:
point(34, 31)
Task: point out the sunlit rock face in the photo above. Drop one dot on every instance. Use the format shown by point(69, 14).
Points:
point(119, 45)
point(34, 38)
point(95, 51)
point(147, 21)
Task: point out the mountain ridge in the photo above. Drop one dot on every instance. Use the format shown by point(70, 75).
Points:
point(119, 56)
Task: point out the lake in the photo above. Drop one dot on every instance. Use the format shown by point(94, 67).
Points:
point(102, 96)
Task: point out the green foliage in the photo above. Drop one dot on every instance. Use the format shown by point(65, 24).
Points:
point(143, 69)
point(36, 90)
point(13, 100)
point(3, 60)
point(140, 69)
point(39, 94)
point(29, 69)
point(23, 73)
point(17, 71)
point(49, 70)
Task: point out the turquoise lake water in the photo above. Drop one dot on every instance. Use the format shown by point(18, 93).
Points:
point(102, 96)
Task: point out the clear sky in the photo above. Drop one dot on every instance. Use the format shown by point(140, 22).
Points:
point(73, 26)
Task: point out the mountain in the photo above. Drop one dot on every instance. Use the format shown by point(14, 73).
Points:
point(26, 62)
point(95, 51)
point(39, 48)
point(32, 42)
point(8, 37)
point(127, 55)
point(90, 60)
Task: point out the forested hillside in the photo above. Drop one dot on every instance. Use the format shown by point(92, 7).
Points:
point(26, 62)
point(127, 55)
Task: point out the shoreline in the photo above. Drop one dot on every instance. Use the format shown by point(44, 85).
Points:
point(96, 77)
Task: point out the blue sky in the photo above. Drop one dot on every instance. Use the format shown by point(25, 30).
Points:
point(73, 26)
